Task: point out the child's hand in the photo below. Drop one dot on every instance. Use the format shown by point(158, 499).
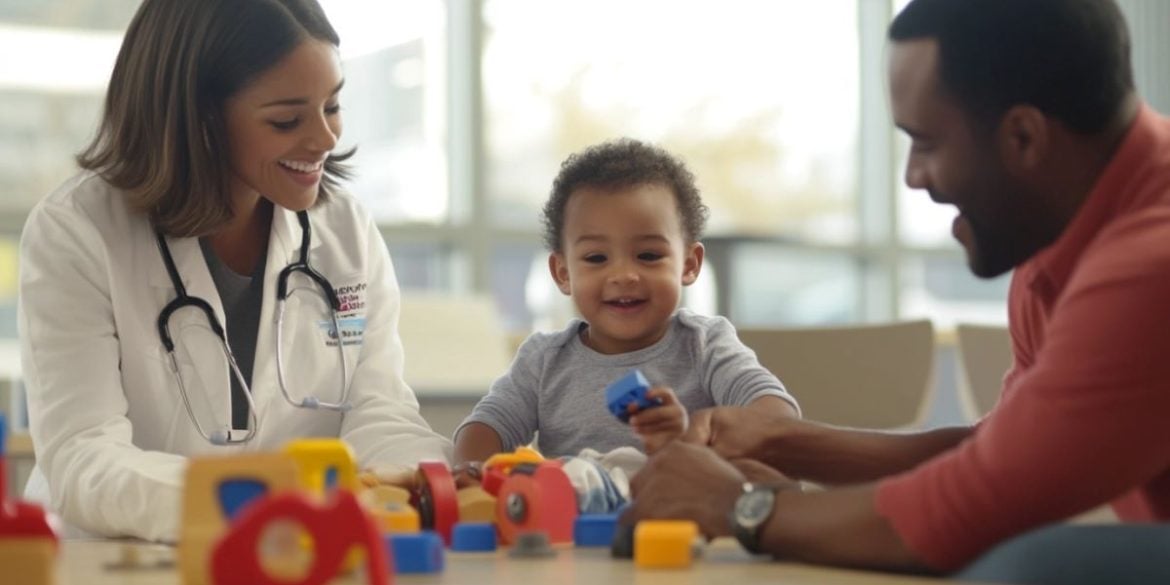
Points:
point(662, 424)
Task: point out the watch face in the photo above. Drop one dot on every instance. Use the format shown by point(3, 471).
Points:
point(754, 507)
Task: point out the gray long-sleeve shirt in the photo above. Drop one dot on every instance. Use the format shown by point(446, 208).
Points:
point(556, 384)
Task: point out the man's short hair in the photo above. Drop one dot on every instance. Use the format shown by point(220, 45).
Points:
point(1068, 58)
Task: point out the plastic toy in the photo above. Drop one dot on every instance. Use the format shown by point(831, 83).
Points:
point(335, 527)
point(627, 396)
point(380, 496)
point(473, 537)
point(532, 545)
point(435, 498)
point(396, 518)
point(324, 464)
point(216, 490)
point(541, 502)
point(476, 505)
point(665, 544)
point(416, 553)
point(594, 529)
point(499, 466)
point(28, 547)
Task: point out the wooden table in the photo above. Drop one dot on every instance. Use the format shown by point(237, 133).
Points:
point(723, 563)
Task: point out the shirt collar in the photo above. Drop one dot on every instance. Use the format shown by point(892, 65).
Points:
point(1052, 267)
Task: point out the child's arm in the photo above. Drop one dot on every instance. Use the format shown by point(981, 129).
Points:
point(474, 443)
point(659, 425)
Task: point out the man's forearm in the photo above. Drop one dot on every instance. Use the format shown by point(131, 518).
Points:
point(830, 455)
point(835, 527)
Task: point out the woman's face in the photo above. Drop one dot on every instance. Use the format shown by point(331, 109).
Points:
point(282, 126)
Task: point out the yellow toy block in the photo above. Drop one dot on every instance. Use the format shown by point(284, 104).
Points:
point(390, 507)
point(396, 519)
point(318, 459)
point(476, 505)
point(381, 496)
point(216, 489)
point(664, 544)
point(30, 561)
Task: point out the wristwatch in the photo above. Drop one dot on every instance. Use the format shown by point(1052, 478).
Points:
point(752, 510)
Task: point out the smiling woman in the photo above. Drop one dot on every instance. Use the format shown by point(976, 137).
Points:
point(165, 288)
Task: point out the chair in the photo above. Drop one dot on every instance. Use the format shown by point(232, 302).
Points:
point(871, 376)
point(985, 354)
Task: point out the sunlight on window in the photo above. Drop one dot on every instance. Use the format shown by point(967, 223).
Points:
point(760, 98)
point(394, 105)
point(65, 60)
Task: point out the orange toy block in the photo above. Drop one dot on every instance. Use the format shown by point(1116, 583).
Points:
point(218, 488)
point(665, 544)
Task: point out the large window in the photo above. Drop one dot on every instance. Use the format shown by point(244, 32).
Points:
point(462, 111)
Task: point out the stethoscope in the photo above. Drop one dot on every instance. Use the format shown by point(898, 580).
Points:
point(223, 436)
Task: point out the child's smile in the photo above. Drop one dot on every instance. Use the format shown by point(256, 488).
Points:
point(625, 262)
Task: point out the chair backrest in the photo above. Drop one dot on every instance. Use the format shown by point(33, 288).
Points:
point(871, 376)
point(454, 344)
point(985, 354)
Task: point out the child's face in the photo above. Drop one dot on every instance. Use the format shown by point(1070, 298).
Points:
point(624, 262)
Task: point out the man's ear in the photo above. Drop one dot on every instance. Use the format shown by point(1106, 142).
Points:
point(692, 263)
point(560, 271)
point(1023, 137)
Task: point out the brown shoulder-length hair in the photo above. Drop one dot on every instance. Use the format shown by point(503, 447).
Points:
point(162, 137)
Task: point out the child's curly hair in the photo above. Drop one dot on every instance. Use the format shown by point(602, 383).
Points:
point(618, 164)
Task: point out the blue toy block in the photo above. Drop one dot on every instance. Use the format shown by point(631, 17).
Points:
point(594, 529)
point(473, 537)
point(630, 389)
point(415, 553)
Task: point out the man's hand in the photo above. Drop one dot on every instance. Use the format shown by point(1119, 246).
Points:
point(686, 482)
point(734, 432)
point(662, 424)
point(757, 472)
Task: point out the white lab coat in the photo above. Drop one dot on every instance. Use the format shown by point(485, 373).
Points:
point(108, 424)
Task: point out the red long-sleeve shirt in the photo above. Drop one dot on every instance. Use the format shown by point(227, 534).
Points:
point(1084, 415)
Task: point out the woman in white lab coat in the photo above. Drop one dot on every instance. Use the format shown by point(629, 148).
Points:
point(215, 156)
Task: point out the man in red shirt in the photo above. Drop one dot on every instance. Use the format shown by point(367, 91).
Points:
point(1022, 115)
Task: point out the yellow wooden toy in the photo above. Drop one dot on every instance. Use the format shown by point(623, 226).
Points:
point(390, 507)
point(216, 489)
point(476, 505)
point(29, 560)
point(665, 544)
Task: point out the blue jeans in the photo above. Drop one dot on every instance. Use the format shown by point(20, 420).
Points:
point(1121, 554)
